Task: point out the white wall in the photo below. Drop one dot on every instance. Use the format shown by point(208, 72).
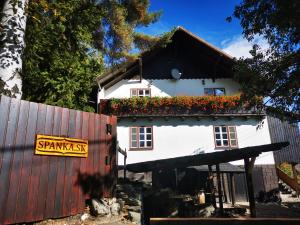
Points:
point(175, 138)
point(189, 87)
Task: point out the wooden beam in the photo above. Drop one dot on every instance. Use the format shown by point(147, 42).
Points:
point(211, 186)
point(219, 190)
point(248, 169)
point(232, 189)
point(224, 187)
point(119, 78)
point(125, 157)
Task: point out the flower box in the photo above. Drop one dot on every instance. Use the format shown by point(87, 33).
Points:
point(180, 105)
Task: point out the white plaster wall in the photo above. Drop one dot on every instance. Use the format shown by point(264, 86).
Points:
point(175, 138)
point(189, 87)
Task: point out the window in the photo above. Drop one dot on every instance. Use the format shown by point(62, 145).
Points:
point(141, 138)
point(140, 92)
point(225, 136)
point(214, 91)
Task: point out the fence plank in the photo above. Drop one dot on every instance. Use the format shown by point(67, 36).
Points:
point(35, 163)
point(16, 168)
point(83, 165)
point(36, 179)
point(50, 129)
point(61, 165)
point(76, 191)
point(69, 167)
point(4, 112)
point(8, 153)
point(7, 157)
point(43, 161)
point(24, 193)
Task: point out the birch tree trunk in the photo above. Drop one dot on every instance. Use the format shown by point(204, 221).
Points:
point(12, 31)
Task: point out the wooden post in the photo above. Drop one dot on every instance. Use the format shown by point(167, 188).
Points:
point(224, 187)
point(219, 189)
point(125, 157)
point(249, 168)
point(232, 189)
point(176, 177)
point(211, 186)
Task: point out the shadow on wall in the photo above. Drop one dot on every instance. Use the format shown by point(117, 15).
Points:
point(96, 185)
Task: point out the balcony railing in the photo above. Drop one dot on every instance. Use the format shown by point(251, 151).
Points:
point(182, 106)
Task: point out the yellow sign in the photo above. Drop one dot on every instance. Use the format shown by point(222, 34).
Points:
point(61, 146)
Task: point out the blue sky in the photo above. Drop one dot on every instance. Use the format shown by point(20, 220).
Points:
point(206, 19)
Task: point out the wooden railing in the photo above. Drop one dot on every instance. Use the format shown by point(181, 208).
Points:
point(291, 181)
point(224, 221)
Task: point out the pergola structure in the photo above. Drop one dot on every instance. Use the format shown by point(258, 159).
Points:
point(247, 154)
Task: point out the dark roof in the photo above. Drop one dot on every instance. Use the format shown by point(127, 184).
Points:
point(205, 159)
point(195, 57)
point(224, 167)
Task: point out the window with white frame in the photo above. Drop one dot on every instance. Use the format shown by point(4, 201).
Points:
point(225, 136)
point(214, 91)
point(141, 138)
point(140, 92)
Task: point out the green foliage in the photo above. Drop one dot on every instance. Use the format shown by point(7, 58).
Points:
point(274, 73)
point(67, 43)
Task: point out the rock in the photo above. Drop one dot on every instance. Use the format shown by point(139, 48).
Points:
point(132, 202)
point(134, 208)
point(294, 194)
point(115, 208)
point(99, 208)
point(206, 212)
point(135, 217)
point(121, 203)
point(84, 216)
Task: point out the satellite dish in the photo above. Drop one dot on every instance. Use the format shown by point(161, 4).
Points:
point(176, 74)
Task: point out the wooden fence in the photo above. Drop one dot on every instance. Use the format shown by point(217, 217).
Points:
point(35, 187)
point(224, 221)
point(283, 131)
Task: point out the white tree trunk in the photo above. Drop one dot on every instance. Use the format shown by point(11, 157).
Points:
point(13, 24)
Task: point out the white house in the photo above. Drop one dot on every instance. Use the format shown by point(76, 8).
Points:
point(188, 66)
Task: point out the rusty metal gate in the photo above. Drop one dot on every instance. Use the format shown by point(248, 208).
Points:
point(35, 187)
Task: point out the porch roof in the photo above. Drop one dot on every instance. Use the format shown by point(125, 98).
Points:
point(205, 159)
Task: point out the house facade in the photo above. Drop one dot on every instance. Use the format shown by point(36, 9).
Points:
point(157, 98)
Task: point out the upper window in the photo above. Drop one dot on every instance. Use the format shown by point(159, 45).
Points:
point(225, 136)
point(141, 138)
point(140, 92)
point(214, 91)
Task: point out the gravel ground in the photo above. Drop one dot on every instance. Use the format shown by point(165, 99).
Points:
point(273, 210)
point(75, 220)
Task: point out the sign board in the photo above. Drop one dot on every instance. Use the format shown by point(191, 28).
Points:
point(61, 146)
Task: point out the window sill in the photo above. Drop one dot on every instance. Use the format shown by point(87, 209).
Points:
point(140, 149)
point(226, 148)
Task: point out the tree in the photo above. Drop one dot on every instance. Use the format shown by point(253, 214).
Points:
point(69, 43)
point(12, 29)
point(274, 73)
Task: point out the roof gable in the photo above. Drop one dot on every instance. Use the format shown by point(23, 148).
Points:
point(191, 55)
